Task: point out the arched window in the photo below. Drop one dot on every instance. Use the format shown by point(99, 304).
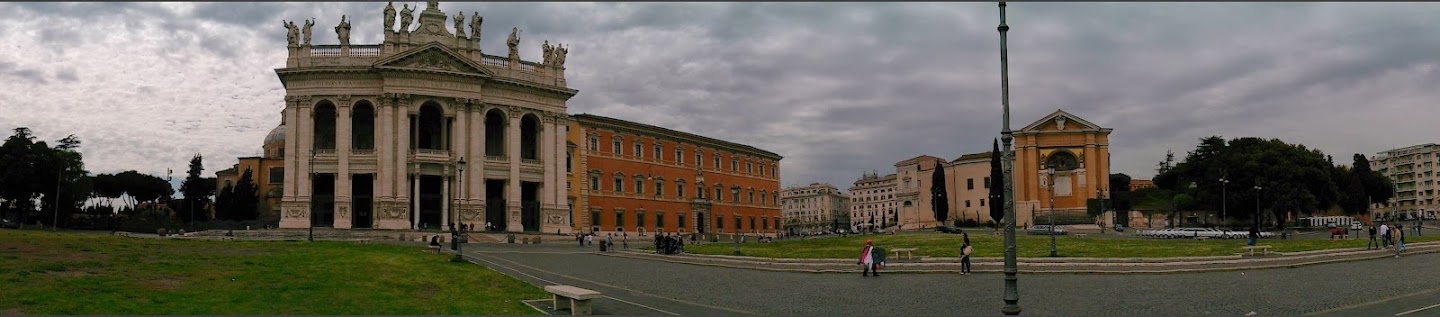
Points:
point(495, 133)
point(362, 126)
point(324, 126)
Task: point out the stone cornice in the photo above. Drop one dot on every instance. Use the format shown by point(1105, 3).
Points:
point(672, 135)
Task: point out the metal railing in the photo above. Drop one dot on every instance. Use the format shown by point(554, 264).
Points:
point(362, 151)
point(497, 158)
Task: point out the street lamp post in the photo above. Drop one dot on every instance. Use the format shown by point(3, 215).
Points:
point(1255, 230)
point(55, 224)
point(1101, 194)
point(312, 196)
point(1223, 201)
point(1051, 184)
point(1012, 292)
point(455, 234)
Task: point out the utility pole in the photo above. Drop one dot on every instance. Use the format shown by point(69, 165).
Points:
point(55, 226)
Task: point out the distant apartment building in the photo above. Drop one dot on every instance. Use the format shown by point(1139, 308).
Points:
point(1138, 184)
point(817, 207)
point(872, 202)
point(1413, 171)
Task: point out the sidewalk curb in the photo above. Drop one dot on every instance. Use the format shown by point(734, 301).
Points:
point(1023, 270)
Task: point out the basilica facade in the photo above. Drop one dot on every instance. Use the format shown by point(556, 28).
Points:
point(422, 130)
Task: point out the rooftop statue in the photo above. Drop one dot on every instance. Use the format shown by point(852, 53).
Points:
point(475, 20)
point(308, 23)
point(291, 32)
point(514, 43)
point(406, 15)
point(432, 5)
point(389, 16)
point(343, 30)
point(547, 52)
point(460, 24)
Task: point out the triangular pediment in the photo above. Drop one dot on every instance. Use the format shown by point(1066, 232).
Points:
point(433, 57)
point(1060, 121)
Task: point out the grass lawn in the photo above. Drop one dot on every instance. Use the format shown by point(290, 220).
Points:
point(45, 273)
point(989, 245)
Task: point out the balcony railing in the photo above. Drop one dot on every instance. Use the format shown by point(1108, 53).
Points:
point(494, 61)
point(325, 50)
point(431, 152)
point(362, 151)
point(497, 158)
point(324, 151)
point(365, 50)
point(530, 161)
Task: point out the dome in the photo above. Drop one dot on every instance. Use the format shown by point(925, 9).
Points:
point(276, 136)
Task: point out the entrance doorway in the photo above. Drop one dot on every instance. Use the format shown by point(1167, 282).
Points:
point(530, 206)
point(495, 203)
point(362, 187)
point(322, 201)
point(430, 201)
point(700, 222)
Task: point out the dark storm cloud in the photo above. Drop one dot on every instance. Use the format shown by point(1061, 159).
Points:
point(837, 88)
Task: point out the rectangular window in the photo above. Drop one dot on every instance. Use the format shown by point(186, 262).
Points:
point(619, 219)
point(969, 184)
point(987, 182)
point(765, 222)
point(735, 194)
point(640, 219)
point(657, 151)
point(680, 190)
point(982, 202)
point(719, 222)
point(752, 223)
point(749, 167)
point(734, 165)
point(595, 219)
point(762, 169)
point(659, 221)
point(639, 185)
point(697, 158)
point(569, 167)
point(594, 143)
point(619, 185)
point(659, 188)
point(717, 160)
point(277, 175)
point(615, 147)
point(737, 223)
point(967, 203)
point(638, 153)
point(679, 221)
point(679, 155)
point(594, 182)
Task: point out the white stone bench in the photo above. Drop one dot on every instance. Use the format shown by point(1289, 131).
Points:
point(909, 252)
point(576, 299)
point(1264, 249)
point(362, 241)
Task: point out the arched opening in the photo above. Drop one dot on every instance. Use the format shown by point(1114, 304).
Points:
point(1062, 161)
point(362, 126)
point(324, 126)
point(529, 137)
point(494, 133)
point(429, 127)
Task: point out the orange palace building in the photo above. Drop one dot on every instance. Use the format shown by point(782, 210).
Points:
point(627, 177)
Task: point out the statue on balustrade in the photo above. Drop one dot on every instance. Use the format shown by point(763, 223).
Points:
point(390, 16)
point(475, 20)
point(547, 52)
point(560, 52)
point(432, 5)
point(344, 31)
point(460, 25)
point(514, 43)
point(406, 15)
point(292, 33)
point(308, 23)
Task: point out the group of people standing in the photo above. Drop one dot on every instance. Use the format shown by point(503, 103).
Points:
point(873, 258)
point(669, 244)
point(1388, 236)
point(608, 244)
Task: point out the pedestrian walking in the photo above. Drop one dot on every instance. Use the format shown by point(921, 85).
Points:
point(610, 242)
point(965, 251)
point(1399, 240)
point(871, 258)
point(625, 240)
point(590, 239)
point(1384, 236)
point(1372, 244)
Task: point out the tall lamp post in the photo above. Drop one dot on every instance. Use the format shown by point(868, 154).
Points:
point(1012, 292)
point(1100, 193)
point(55, 224)
point(1051, 185)
point(1255, 230)
point(312, 196)
point(455, 234)
point(1223, 204)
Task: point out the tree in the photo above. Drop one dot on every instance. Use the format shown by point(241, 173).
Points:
point(1377, 186)
point(997, 184)
point(939, 202)
point(1152, 201)
point(239, 202)
point(197, 190)
point(1299, 179)
point(33, 172)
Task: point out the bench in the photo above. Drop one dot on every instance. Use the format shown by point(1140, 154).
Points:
point(909, 252)
point(1080, 235)
point(362, 241)
point(577, 300)
point(1264, 249)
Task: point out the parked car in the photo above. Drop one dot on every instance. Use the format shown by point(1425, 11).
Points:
point(948, 229)
point(1045, 229)
point(1356, 226)
point(6, 223)
point(1119, 228)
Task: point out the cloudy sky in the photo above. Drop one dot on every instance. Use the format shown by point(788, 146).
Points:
point(836, 88)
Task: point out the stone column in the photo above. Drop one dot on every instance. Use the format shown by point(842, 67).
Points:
point(548, 184)
point(415, 207)
point(477, 152)
point(445, 202)
point(512, 192)
point(290, 188)
point(342, 170)
point(462, 144)
point(305, 139)
point(400, 152)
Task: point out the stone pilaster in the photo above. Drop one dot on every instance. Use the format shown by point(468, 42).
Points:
point(342, 171)
point(512, 192)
